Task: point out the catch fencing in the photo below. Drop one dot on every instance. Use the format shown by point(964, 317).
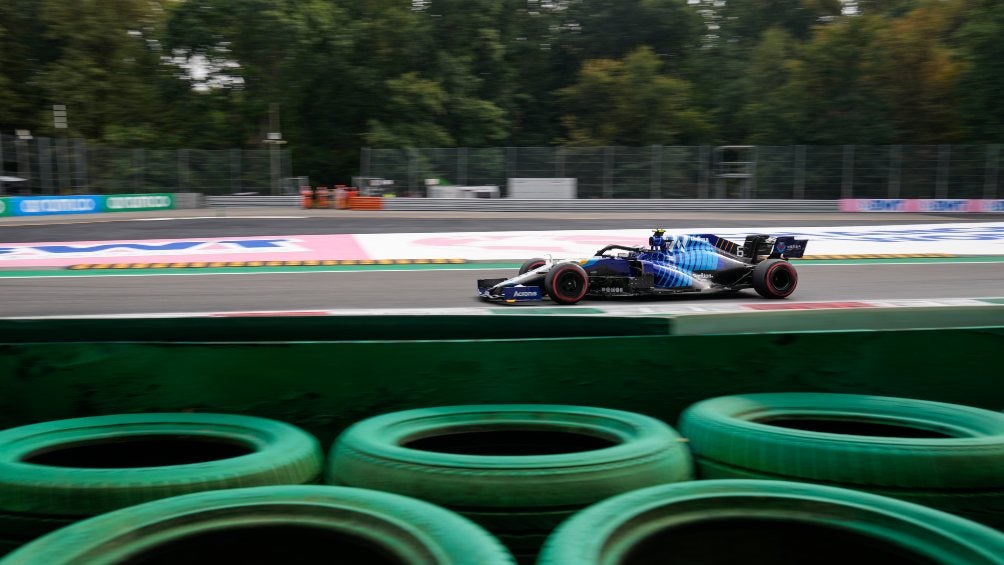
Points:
point(74, 166)
point(810, 172)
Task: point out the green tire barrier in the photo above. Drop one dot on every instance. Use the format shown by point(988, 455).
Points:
point(941, 455)
point(278, 524)
point(766, 522)
point(54, 473)
point(518, 470)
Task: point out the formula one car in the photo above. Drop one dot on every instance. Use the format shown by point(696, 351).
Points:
point(679, 264)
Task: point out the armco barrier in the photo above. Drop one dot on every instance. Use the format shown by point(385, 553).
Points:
point(54, 369)
point(606, 205)
point(536, 205)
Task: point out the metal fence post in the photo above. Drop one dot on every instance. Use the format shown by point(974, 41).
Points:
point(63, 165)
point(44, 162)
point(608, 165)
point(462, 166)
point(559, 162)
point(704, 158)
point(366, 157)
point(24, 161)
point(138, 162)
point(656, 181)
point(412, 169)
point(990, 176)
point(80, 149)
point(510, 163)
point(895, 170)
point(235, 170)
point(944, 160)
point(183, 181)
point(847, 178)
point(798, 191)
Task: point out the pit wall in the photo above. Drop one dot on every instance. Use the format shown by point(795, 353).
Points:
point(323, 373)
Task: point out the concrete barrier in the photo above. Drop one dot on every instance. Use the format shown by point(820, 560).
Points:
point(325, 373)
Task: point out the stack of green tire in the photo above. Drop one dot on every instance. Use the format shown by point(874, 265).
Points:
point(518, 470)
point(55, 473)
point(762, 522)
point(276, 524)
point(945, 456)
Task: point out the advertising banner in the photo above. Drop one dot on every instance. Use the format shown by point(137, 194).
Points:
point(48, 205)
point(922, 206)
point(138, 202)
point(85, 204)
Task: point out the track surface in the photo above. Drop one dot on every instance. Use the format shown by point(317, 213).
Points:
point(438, 288)
point(188, 292)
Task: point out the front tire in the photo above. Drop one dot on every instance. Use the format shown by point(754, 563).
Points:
point(531, 264)
point(566, 283)
point(774, 278)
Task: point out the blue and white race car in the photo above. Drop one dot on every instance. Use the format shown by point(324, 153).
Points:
point(678, 264)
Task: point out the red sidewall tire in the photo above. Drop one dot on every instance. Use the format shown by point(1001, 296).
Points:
point(764, 274)
point(531, 264)
point(558, 274)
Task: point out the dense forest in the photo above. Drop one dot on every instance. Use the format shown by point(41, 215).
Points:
point(346, 74)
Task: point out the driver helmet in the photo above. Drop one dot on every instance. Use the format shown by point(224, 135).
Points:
point(656, 241)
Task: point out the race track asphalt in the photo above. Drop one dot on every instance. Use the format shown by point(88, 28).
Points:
point(441, 288)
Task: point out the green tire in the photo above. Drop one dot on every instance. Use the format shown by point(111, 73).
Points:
point(518, 470)
point(271, 525)
point(765, 522)
point(54, 473)
point(943, 455)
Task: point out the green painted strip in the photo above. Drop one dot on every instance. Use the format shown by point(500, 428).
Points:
point(903, 260)
point(993, 300)
point(473, 266)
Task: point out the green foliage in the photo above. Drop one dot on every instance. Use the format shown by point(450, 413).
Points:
point(982, 81)
point(631, 102)
point(481, 73)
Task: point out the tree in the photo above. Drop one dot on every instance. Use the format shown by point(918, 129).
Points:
point(982, 80)
point(104, 65)
point(771, 113)
point(423, 101)
point(630, 102)
point(918, 74)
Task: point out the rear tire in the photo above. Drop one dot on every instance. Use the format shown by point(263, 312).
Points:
point(774, 278)
point(566, 283)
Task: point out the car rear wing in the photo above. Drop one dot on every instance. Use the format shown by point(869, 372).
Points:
point(788, 247)
point(777, 247)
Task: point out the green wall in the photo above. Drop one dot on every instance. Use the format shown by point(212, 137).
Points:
point(286, 368)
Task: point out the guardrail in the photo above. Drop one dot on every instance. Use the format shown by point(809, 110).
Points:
point(607, 205)
point(540, 205)
point(252, 201)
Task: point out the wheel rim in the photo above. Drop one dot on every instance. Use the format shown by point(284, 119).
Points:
point(569, 284)
point(780, 279)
